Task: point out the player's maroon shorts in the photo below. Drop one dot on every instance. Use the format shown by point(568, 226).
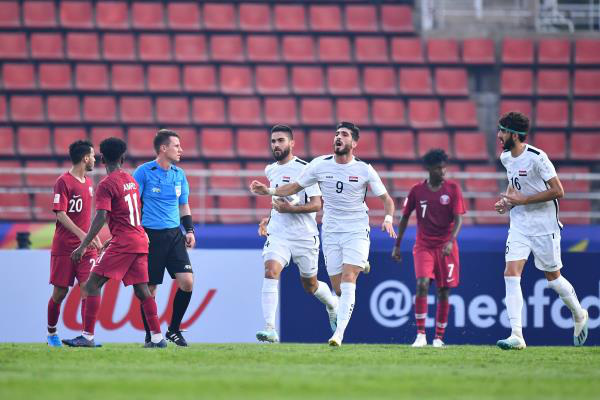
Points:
point(432, 263)
point(131, 268)
point(63, 270)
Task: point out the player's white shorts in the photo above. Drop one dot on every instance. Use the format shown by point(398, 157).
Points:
point(345, 248)
point(546, 249)
point(304, 252)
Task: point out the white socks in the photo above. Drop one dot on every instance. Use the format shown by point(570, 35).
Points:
point(156, 337)
point(323, 293)
point(514, 303)
point(567, 294)
point(345, 307)
point(270, 298)
point(87, 335)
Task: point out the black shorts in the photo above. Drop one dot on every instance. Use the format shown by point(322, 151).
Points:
point(166, 250)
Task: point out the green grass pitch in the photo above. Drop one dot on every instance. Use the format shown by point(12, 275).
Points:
point(297, 371)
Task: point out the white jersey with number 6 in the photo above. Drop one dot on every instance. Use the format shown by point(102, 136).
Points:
point(527, 174)
point(344, 188)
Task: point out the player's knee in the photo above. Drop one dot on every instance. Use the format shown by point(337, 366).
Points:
point(59, 294)
point(271, 273)
point(422, 287)
point(186, 284)
point(310, 285)
point(443, 293)
point(141, 292)
point(91, 288)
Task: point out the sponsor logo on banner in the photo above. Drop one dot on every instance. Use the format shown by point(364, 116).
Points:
point(391, 303)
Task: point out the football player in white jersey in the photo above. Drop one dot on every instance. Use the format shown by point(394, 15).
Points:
point(343, 180)
point(291, 232)
point(532, 198)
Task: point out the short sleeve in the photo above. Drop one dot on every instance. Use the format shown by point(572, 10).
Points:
point(185, 190)
point(104, 197)
point(545, 167)
point(459, 203)
point(61, 196)
point(309, 176)
point(409, 203)
point(140, 177)
point(375, 182)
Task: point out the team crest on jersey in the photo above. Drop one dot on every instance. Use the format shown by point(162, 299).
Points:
point(91, 191)
point(522, 172)
point(445, 199)
point(353, 178)
point(285, 179)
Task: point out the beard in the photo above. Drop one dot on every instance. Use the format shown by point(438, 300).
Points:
point(343, 151)
point(282, 154)
point(509, 144)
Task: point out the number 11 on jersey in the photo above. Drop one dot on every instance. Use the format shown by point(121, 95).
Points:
point(133, 205)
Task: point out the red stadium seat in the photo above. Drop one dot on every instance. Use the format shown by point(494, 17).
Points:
point(442, 51)
point(271, 79)
point(554, 51)
point(3, 116)
point(99, 109)
point(388, 112)
point(172, 110)
point(398, 145)
point(361, 18)
point(128, 77)
point(63, 109)
point(325, 17)
point(280, 110)
point(202, 207)
point(552, 114)
point(516, 82)
point(219, 16)
point(18, 76)
point(404, 184)
point(321, 142)
point(481, 185)
point(188, 138)
point(433, 140)
point(7, 141)
point(371, 49)
point(379, 80)
point(64, 136)
point(217, 143)
point(517, 51)
point(424, 114)
point(26, 108)
point(290, 17)
point(523, 106)
point(112, 15)
point(98, 134)
point(486, 204)
point(91, 77)
point(479, 51)
point(244, 111)
point(76, 14)
point(451, 82)
point(317, 111)
point(253, 143)
point(163, 78)
point(147, 15)
point(14, 45)
point(368, 146)
point(234, 209)
point(226, 48)
point(586, 114)
point(39, 14)
point(585, 146)
point(139, 142)
point(199, 78)
point(17, 205)
point(262, 48)
point(587, 51)
point(183, 16)
point(415, 81)
point(33, 141)
point(38, 179)
point(353, 109)
point(553, 82)
point(255, 17)
point(190, 48)
point(208, 110)
point(396, 18)
point(574, 185)
point(136, 109)
point(54, 76)
point(119, 47)
point(376, 210)
point(407, 50)
point(334, 49)
point(587, 82)
point(460, 113)
point(570, 205)
point(470, 146)
point(263, 204)
point(236, 79)
point(154, 47)
point(82, 46)
point(225, 182)
point(9, 14)
point(297, 48)
point(343, 80)
point(42, 207)
point(553, 143)
point(11, 179)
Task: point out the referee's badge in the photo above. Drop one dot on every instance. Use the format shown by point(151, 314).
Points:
point(178, 190)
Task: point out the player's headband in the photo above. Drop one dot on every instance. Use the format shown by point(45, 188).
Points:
point(503, 128)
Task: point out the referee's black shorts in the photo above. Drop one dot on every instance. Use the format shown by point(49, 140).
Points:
point(166, 251)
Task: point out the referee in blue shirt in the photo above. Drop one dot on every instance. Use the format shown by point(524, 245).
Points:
point(164, 191)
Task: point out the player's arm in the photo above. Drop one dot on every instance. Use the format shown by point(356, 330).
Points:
point(401, 229)
point(260, 188)
point(97, 225)
point(68, 223)
point(185, 215)
point(283, 206)
point(555, 191)
point(388, 222)
point(458, 220)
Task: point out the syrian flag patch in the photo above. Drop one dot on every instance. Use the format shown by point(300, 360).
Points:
point(353, 178)
point(285, 179)
point(522, 173)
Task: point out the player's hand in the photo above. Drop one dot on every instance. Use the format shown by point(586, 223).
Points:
point(190, 240)
point(282, 205)
point(447, 250)
point(514, 199)
point(262, 227)
point(106, 244)
point(77, 254)
point(260, 188)
point(396, 256)
point(389, 228)
point(97, 243)
point(500, 206)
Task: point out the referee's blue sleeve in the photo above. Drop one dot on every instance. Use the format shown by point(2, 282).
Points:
point(140, 177)
point(185, 190)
